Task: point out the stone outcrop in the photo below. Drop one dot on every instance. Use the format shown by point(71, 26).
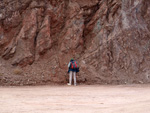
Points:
point(110, 39)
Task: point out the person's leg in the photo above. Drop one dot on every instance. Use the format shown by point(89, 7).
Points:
point(70, 78)
point(74, 75)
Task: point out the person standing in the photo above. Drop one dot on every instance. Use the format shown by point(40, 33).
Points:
point(72, 70)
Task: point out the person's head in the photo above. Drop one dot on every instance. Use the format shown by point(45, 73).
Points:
point(71, 59)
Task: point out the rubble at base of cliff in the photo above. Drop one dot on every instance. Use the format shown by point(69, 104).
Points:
point(110, 39)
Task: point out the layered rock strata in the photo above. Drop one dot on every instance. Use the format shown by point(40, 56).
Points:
point(110, 39)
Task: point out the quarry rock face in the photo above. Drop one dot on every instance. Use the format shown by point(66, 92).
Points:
point(110, 39)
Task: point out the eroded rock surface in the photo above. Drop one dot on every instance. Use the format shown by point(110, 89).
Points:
point(110, 39)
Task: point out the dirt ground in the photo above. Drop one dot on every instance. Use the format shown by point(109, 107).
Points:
point(79, 99)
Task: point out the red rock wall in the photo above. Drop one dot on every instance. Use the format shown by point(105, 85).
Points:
point(110, 39)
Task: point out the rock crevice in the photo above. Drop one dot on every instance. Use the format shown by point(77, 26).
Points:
point(108, 38)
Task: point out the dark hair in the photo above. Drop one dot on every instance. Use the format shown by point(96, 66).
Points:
point(71, 60)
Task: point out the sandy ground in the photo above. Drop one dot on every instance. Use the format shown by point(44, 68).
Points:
point(79, 99)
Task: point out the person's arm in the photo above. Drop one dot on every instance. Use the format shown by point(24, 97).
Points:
point(69, 64)
point(77, 64)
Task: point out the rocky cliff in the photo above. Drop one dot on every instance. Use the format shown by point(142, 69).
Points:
point(110, 39)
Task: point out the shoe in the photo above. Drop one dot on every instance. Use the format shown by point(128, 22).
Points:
point(68, 84)
point(75, 84)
